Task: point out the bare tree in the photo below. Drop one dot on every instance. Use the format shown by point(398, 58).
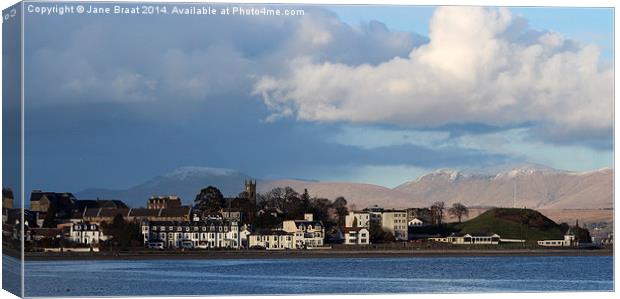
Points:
point(458, 210)
point(437, 210)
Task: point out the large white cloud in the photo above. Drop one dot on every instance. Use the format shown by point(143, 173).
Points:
point(188, 59)
point(480, 66)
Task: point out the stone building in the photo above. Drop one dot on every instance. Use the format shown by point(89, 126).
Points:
point(163, 202)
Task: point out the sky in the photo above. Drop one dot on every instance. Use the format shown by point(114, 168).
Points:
point(377, 95)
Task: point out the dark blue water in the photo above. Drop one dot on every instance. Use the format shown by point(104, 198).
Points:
point(301, 276)
point(11, 275)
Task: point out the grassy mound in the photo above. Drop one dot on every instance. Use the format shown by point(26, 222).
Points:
point(510, 223)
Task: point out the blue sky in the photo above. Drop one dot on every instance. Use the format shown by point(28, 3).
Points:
point(368, 94)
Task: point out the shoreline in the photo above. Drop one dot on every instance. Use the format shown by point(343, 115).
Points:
point(204, 255)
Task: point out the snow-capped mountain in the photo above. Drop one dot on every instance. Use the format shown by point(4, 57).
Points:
point(532, 186)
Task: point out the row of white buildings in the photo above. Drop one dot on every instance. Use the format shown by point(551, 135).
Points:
point(294, 234)
point(209, 233)
point(220, 233)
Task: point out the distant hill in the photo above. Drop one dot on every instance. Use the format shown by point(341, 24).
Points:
point(185, 182)
point(537, 187)
point(514, 224)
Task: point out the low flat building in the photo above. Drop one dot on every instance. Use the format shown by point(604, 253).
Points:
point(469, 239)
point(568, 241)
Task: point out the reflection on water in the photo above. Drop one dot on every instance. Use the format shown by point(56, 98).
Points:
point(302, 276)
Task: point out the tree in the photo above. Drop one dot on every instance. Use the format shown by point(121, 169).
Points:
point(340, 205)
point(379, 235)
point(50, 217)
point(123, 234)
point(437, 212)
point(458, 210)
point(210, 199)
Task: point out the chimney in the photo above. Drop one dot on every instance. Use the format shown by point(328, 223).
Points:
point(308, 217)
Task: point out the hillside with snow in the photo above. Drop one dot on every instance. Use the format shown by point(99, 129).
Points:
point(528, 186)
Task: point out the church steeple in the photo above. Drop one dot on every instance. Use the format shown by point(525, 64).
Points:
point(250, 189)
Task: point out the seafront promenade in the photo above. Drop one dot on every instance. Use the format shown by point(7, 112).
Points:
point(261, 254)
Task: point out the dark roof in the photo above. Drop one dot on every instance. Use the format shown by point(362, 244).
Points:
point(100, 212)
point(188, 223)
point(175, 212)
point(91, 212)
point(113, 212)
point(271, 232)
point(62, 201)
point(99, 203)
point(142, 212)
point(46, 232)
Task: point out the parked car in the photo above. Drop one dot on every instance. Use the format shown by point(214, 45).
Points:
point(186, 244)
point(156, 244)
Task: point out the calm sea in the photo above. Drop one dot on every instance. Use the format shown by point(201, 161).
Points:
point(301, 276)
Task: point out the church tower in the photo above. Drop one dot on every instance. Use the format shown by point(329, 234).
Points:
point(250, 189)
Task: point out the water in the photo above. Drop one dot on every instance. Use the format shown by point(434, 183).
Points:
point(302, 276)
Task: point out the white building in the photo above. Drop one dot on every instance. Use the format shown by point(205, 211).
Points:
point(271, 240)
point(307, 233)
point(415, 222)
point(85, 233)
point(201, 234)
point(469, 239)
point(357, 219)
point(356, 236)
point(569, 240)
point(395, 221)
